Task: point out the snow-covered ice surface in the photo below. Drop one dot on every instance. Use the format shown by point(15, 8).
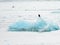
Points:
point(30, 38)
point(12, 12)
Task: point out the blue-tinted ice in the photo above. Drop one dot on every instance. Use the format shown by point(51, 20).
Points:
point(38, 26)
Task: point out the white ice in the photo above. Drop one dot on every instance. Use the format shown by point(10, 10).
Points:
point(29, 12)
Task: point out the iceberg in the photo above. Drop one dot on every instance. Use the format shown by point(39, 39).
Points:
point(39, 26)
